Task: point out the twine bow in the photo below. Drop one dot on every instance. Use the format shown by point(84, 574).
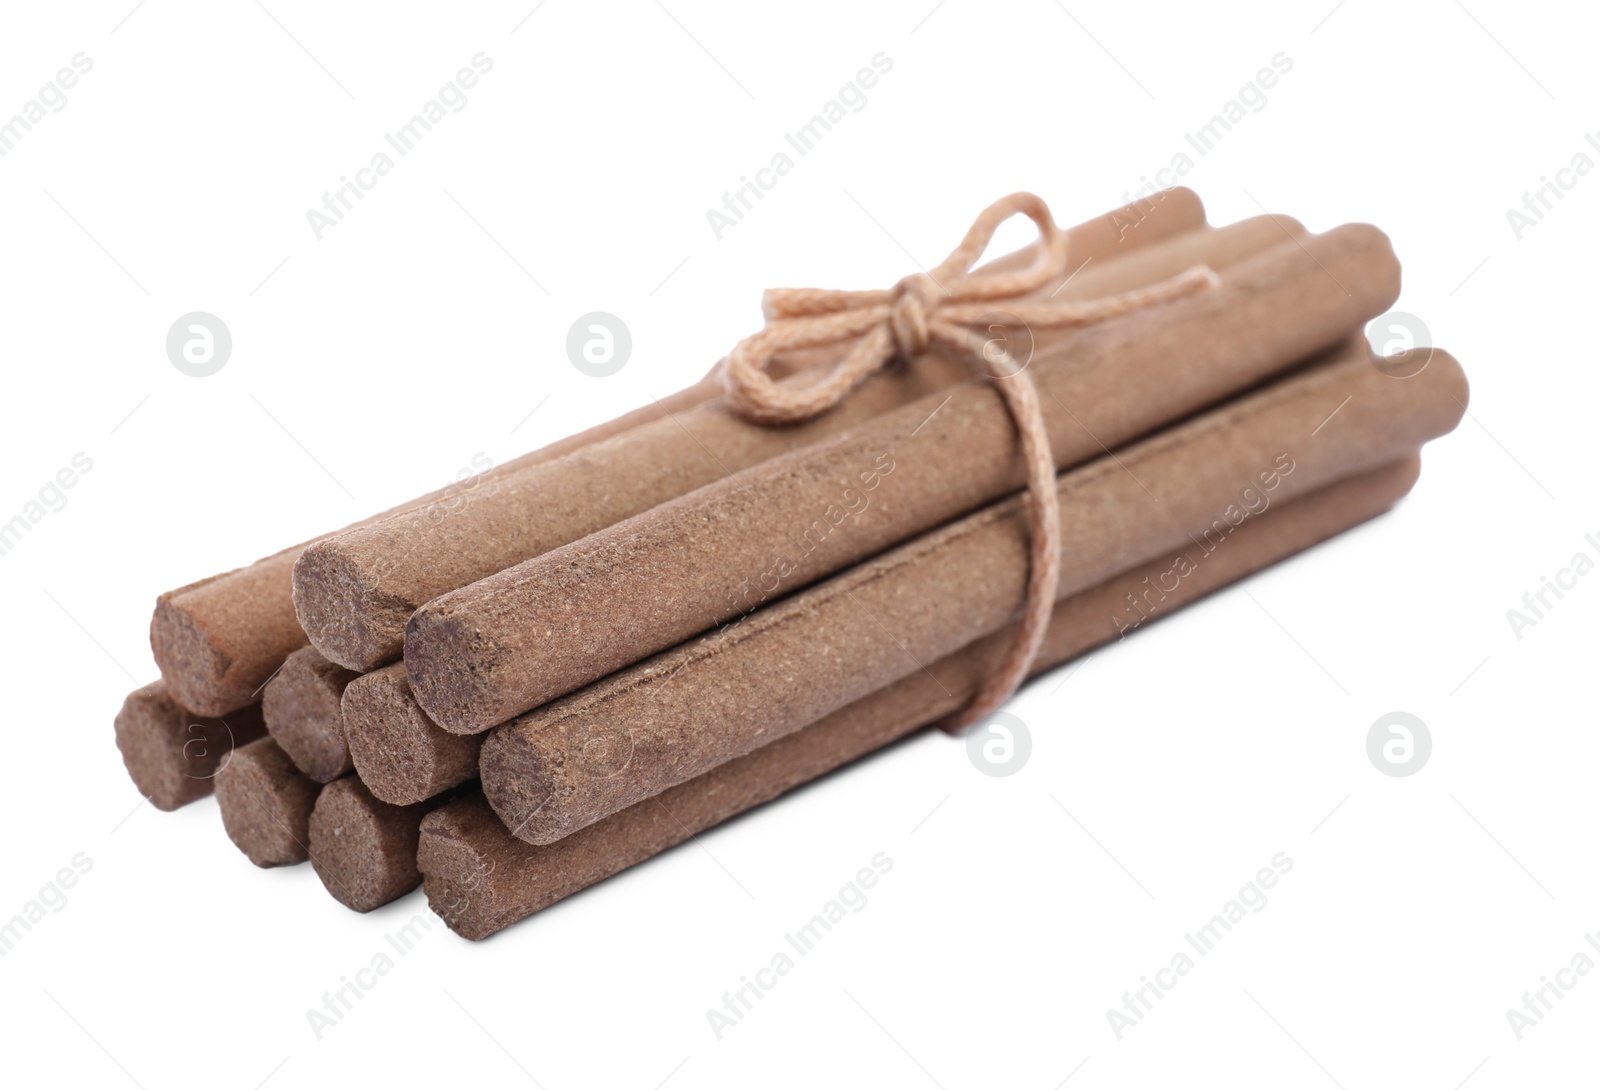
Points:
point(940, 310)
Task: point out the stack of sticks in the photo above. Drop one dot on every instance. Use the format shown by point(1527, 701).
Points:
point(512, 689)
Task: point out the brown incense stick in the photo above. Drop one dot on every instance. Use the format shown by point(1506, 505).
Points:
point(399, 753)
point(217, 641)
point(403, 757)
point(363, 849)
point(678, 715)
point(266, 804)
point(172, 754)
point(526, 635)
point(355, 591)
point(481, 879)
point(301, 706)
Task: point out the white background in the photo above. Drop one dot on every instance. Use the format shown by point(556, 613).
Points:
point(373, 364)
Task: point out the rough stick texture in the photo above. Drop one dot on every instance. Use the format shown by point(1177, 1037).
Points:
point(524, 636)
point(172, 755)
point(266, 804)
point(678, 715)
point(364, 849)
point(301, 706)
point(403, 756)
point(355, 591)
point(480, 879)
point(217, 641)
point(400, 754)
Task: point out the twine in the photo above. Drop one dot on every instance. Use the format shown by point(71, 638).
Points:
point(938, 310)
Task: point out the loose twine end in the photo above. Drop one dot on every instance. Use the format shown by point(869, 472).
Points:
point(937, 310)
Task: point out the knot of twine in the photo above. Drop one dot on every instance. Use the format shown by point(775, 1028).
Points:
point(948, 309)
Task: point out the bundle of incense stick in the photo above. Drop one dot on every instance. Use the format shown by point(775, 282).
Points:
point(529, 681)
